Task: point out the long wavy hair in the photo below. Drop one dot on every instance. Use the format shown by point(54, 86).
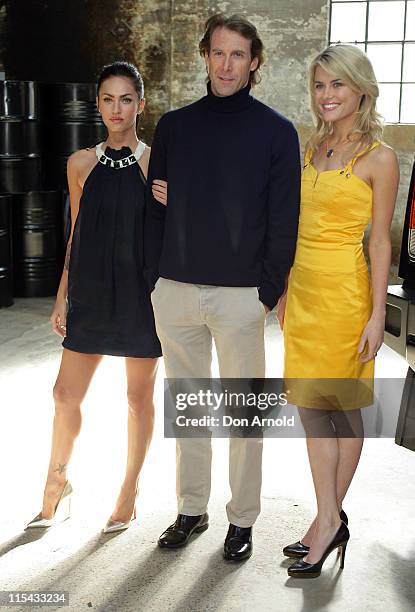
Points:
point(352, 65)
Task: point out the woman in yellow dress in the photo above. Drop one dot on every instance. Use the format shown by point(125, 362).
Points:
point(332, 315)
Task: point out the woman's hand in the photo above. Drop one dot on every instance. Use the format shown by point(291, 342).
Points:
point(159, 189)
point(281, 309)
point(58, 317)
point(372, 337)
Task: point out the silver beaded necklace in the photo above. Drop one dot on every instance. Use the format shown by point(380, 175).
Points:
point(119, 163)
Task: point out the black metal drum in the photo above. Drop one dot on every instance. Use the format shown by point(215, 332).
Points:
point(72, 102)
point(70, 137)
point(19, 174)
point(19, 138)
point(54, 171)
point(6, 281)
point(20, 100)
point(71, 108)
point(37, 243)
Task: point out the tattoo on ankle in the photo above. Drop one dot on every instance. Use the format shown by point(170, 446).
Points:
point(61, 468)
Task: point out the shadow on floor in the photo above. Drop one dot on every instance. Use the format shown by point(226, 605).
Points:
point(400, 571)
point(26, 537)
point(202, 591)
point(120, 572)
point(64, 568)
point(127, 576)
point(318, 593)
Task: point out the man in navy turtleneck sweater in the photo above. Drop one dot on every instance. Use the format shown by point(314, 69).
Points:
point(218, 256)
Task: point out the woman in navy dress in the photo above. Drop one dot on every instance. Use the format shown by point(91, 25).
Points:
point(103, 305)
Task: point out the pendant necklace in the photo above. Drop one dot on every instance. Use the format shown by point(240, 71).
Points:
point(330, 151)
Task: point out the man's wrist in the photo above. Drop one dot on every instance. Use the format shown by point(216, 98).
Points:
point(267, 295)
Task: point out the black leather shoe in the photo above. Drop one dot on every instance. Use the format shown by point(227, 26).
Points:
point(238, 543)
point(302, 569)
point(299, 550)
point(179, 533)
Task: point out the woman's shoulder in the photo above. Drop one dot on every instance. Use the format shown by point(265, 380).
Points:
point(82, 158)
point(80, 164)
point(382, 155)
point(383, 151)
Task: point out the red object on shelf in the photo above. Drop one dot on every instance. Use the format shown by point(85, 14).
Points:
point(407, 259)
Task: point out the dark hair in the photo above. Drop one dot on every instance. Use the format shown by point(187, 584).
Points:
point(123, 69)
point(235, 23)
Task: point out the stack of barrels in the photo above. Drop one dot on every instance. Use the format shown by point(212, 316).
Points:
point(6, 285)
point(40, 126)
point(21, 143)
point(71, 107)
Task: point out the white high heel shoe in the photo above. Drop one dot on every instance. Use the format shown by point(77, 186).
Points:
point(62, 510)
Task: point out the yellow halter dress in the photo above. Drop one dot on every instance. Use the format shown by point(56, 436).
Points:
point(329, 298)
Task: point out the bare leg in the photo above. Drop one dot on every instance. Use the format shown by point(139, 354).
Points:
point(350, 448)
point(348, 424)
point(323, 453)
point(141, 374)
point(71, 385)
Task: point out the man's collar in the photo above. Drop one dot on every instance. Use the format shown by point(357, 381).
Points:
point(229, 104)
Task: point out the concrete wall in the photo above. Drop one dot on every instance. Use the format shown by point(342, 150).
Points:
point(291, 31)
point(64, 41)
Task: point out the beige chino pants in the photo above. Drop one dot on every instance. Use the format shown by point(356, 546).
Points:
point(187, 317)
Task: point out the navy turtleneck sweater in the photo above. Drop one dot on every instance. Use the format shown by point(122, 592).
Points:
point(233, 170)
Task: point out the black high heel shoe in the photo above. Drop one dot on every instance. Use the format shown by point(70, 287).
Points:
point(299, 550)
point(302, 569)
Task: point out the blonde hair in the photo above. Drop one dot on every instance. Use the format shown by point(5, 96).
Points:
point(353, 66)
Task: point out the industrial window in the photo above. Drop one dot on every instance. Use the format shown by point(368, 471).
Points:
point(385, 29)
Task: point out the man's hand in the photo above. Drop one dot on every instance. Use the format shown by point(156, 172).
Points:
point(281, 309)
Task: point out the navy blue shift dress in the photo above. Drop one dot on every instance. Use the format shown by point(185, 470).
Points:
point(109, 307)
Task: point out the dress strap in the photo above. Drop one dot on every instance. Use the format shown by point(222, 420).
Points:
point(99, 150)
point(307, 156)
point(352, 162)
point(141, 147)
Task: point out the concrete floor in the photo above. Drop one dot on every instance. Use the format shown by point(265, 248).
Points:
point(127, 572)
